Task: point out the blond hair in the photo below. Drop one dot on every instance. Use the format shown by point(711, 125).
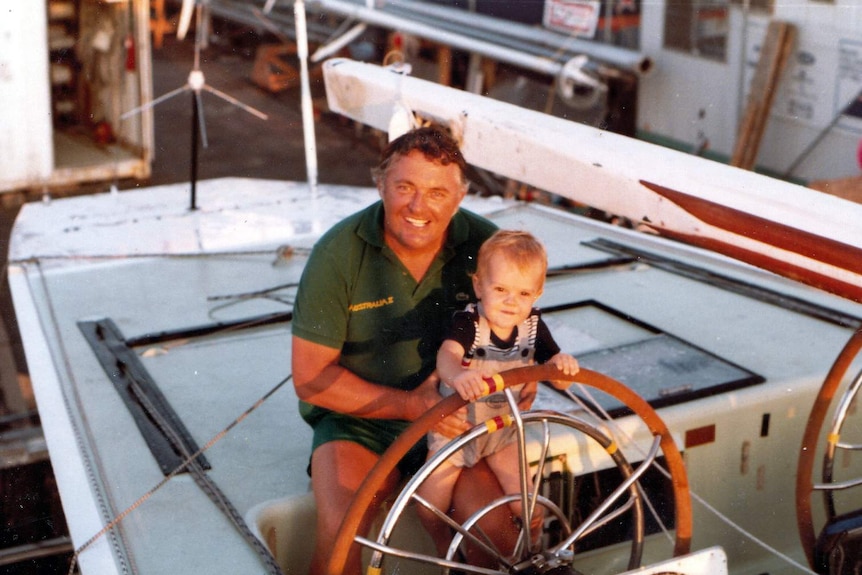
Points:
point(519, 247)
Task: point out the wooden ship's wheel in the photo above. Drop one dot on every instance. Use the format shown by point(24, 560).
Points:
point(836, 550)
point(528, 554)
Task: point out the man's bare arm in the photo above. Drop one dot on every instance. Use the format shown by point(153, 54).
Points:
point(320, 380)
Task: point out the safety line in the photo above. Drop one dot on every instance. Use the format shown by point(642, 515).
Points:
point(178, 469)
point(606, 417)
point(283, 251)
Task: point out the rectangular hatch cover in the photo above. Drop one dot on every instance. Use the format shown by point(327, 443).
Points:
point(661, 368)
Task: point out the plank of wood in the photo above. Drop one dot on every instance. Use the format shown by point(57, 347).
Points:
point(444, 63)
point(774, 54)
point(271, 70)
point(160, 24)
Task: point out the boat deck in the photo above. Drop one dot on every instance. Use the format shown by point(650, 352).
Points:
point(128, 301)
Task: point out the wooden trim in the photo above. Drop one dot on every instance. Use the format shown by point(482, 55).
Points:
point(772, 233)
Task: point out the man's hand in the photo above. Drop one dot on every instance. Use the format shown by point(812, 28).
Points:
point(428, 396)
point(528, 395)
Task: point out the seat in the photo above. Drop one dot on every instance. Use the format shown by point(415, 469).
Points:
point(838, 550)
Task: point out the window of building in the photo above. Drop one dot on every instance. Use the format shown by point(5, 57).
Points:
point(697, 27)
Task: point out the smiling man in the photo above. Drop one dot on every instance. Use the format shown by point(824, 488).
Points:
point(374, 299)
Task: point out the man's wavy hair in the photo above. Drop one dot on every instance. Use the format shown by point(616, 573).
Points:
point(435, 143)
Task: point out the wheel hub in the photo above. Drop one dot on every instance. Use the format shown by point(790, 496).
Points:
point(547, 563)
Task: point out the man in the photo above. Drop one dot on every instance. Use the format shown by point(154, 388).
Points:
point(377, 292)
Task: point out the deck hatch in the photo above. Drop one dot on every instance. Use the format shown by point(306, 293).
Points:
point(728, 283)
point(141, 395)
point(663, 369)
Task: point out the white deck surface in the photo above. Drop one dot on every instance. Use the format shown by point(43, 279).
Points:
point(145, 261)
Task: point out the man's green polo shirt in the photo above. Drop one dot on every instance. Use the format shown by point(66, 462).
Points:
point(356, 296)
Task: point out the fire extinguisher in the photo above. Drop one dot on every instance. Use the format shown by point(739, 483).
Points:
point(129, 42)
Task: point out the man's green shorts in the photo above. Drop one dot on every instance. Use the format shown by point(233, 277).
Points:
point(374, 434)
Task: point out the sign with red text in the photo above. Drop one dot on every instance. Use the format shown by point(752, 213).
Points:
point(575, 17)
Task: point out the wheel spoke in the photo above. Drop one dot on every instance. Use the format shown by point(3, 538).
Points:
point(528, 507)
point(472, 523)
point(613, 497)
point(485, 544)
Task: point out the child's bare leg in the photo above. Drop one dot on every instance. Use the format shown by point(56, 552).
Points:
point(437, 490)
point(504, 464)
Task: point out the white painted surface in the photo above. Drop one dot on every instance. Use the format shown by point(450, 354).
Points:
point(26, 147)
point(601, 169)
point(30, 155)
point(821, 77)
point(707, 562)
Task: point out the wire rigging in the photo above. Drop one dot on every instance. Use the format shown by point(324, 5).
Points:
point(617, 431)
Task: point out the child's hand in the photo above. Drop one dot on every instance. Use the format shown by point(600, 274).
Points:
point(568, 365)
point(470, 384)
